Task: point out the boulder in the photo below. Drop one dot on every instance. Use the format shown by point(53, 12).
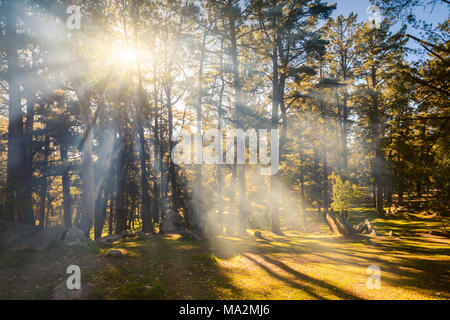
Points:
point(258, 235)
point(114, 253)
point(110, 238)
point(167, 226)
point(129, 234)
point(13, 233)
point(45, 238)
point(191, 235)
point(16, 235)
point(171, 223)
point(61, 292)
point(74, 237)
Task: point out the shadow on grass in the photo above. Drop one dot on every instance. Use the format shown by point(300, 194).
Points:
point(340, 293)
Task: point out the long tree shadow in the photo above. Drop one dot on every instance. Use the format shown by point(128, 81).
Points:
point(291, 283)
point(337, 291)
point(418, 273)
point(435, 274)
point(309, 280)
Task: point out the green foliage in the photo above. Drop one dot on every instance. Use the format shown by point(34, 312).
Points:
point(344, 194)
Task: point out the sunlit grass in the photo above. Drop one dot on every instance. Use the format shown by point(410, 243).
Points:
point(294, 266)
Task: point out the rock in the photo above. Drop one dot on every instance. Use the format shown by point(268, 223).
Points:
point(191, 235)
point(73, 237)
point(144, 234)
point(167, 226)
point(170, 214)
point(13, 233)
point(171, 223)
point(110, 238)
point(258, 235)
point(114, 253)
point(45, 238)
point(129, 234)
point(61, 292)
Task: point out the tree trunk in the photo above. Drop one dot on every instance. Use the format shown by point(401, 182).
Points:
point(238, 114)
point(157, 160)
point(67, 199)
point(400, 193)
point(28, 201)
point(303, 201)
point(378, 167)
point(147, 222)
point(325, 184)
point(111, 213)
point(100, 210)
point(87, 171)
point(122, 174)
point(220, 203)
point(172, 172)
point(274, 178)
point(341, 227)
point(199, 117)
point(43, 195)
point(16, 188)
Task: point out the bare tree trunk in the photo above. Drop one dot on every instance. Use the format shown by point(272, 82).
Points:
point(87, 171)
point(274, 188)
point(16, 187)
point(44, 185)
point(147, 222)
point(344, 137)
point(67, 199)
point(157, 164)
point(325, 183)
point(238, 118)
point(172, 172)
point(111, 213)
point(28, 170)
point(303, 201)
point(121, 210)
point(100, 204)
point(378, 151)
point(219, 167)
point(199, 115)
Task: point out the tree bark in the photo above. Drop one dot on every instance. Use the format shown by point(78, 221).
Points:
point(44, 185)
point(87, 170)
point(16, 186)
point(377, 168)
point(238, 114)
point(67, 199)
point(274, 178)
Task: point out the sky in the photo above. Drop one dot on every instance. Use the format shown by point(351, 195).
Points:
point(432, 15)
point(344, 7)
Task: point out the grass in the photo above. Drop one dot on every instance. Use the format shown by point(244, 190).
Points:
point(413, 265)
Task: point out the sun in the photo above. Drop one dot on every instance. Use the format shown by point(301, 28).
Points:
point(127, 56)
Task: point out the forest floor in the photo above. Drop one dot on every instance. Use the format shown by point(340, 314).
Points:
point(413, 264)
